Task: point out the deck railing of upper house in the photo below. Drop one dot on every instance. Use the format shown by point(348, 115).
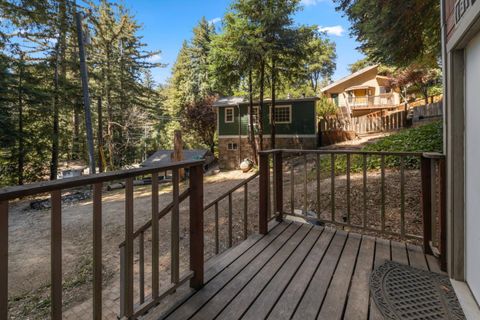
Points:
point(383, 193)
point(130, 308)
point(383, 100)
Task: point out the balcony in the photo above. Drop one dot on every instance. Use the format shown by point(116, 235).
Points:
point(361, 209)
point(383, 101)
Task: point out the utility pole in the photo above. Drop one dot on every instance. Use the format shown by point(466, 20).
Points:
point(86, 96)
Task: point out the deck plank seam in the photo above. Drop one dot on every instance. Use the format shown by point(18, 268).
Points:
point(280, 268)
point(333, 274)
point(235, 276)
point(314, 273)
point(351, 278)
point(261, 268)
point(170, 312)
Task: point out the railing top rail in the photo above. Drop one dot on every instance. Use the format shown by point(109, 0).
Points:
point(361, 152)
point(10, 193)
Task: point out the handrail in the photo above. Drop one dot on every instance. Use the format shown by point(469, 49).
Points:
point(10, 193)
point(360, 152)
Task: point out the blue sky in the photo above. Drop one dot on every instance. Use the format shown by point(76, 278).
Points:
point(167, 23)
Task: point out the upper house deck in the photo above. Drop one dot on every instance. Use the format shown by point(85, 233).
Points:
point(368, 206)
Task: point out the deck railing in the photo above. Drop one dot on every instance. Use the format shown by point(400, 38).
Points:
point(354, 194)
point(130, 308)
point(383, 100)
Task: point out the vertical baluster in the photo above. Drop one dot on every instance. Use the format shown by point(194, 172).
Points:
point(263, 197)
point(3, 259)
point(128, 255)
point(364, 190)
point(349, 168)
point(141, 278)
point(217, 242)
point(175, 241)
point(443, 214)
point(155, 236)
point(305, 188)
point(382, 165)
point(402, 196)
point(196, 226)
point(318, 186)
point(97, 251)
point(332, 180)
point(433, 195)
point(292, 186)
point(56, 254)
point(245, 211)
point(230, 218)
point(278, 172)
point(426, 203)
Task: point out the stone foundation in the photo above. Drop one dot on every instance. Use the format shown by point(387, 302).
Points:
point(230, 159)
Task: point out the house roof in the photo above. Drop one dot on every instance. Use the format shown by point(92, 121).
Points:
point(350, 77)
point(234, 101)
point(162, 157)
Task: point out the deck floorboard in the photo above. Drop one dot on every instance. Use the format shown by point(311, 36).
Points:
point(296, 271)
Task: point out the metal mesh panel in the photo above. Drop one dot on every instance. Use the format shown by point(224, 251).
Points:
point(403, 292)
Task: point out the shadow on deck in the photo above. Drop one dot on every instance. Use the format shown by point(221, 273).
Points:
point(296, 271)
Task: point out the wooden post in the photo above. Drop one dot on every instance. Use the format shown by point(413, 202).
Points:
point(128, 253)
point(56, 255)
point(443, 214)
point(278, 173)
point(97, 251)
point(196, 226)
point(263, 197)
point(426, 203)
point(3, 259)
point(178, 151)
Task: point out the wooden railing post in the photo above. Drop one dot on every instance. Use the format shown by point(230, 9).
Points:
point(3, 259)
point(128, 253)
point(426, 165)
point(263, 197)
point(196, 226)
point(97, 251)
point(443, 214)
point(56, 255)
point(278, 173)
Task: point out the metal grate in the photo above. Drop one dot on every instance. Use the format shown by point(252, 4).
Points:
point(403, 292)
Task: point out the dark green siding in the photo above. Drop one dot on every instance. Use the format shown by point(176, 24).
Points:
point(303, 120)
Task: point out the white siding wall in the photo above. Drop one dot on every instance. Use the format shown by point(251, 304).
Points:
point(472, 149)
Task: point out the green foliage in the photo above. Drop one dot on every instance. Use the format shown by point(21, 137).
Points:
point(359, 65)
point(326, 108)
point(396, 32)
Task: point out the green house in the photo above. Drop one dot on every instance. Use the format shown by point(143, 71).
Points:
point(295, 123)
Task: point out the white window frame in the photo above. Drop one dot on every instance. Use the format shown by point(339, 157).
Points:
point(289, 106)
point(232, 146)
point(256, 114)
point(233, 115)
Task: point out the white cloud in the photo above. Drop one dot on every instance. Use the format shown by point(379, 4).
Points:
point(154, 58)
point(307, 3)
point(333, 30)
point(215, 20)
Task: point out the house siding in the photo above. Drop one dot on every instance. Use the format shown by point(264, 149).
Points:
point(303, 120)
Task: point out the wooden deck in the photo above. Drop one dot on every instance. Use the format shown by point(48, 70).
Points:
point(296, 271)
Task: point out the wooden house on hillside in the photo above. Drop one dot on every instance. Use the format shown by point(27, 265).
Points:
point(295, 119)
point(363, 92)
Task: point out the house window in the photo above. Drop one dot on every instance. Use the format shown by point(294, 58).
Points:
point(229, 115)
point(283, 114)
point(256, 115)
point(384, 90)
point(232, 146)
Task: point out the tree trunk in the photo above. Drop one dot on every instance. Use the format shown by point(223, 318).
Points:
point(110, 133)
point(272, 108)
point(76, 132)
point(55, 132)
point(21, 149)
point(101, 158)
point(251, 135)
point(260, 111)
